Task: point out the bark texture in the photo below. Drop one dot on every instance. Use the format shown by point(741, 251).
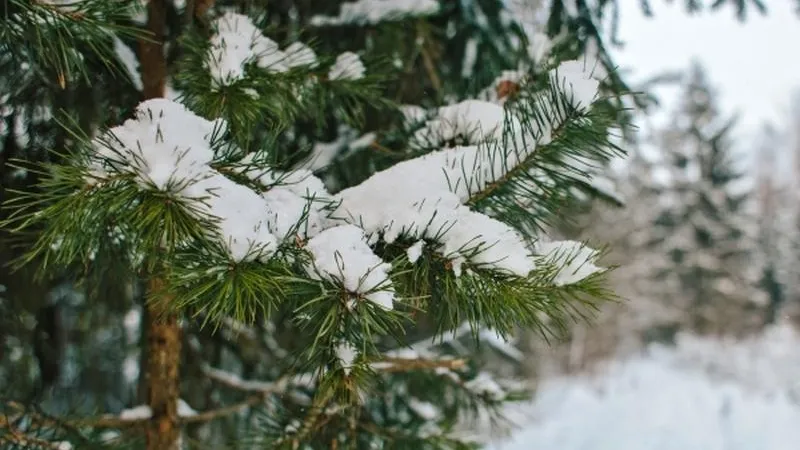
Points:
point(163, 381)
point(151, 51)
point(163, 352)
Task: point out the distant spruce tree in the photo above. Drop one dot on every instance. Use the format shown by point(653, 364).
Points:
point(704, 229)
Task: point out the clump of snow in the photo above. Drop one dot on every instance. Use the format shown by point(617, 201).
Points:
point(415, 251)
point(184, 410)
point(470, 58)
point(233, 47)
point(348, 66)
point(140, 412)
point(299, 54)
point(289, 214)
point(241, 217)
point(403, 353)
point(539, 47)
point(425, 410)
point(236, 382)
point(164, 145)
point(129, 61)
point(413, 114)
point(574, 260)
point(582, 86)
point(363, 141)
point(484, 384)
point(471, 121)
point(423, 198)
point(341, 254)
point(364, 12)
point(238, 43)
point(346, 353)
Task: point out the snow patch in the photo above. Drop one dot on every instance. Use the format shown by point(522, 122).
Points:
point(366, 12)
point(348, 66)
point(341, 254)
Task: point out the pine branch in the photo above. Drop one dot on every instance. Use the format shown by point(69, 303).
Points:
point(513, 173)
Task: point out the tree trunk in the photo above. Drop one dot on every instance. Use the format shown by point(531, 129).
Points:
point(163, 382)
point(151, 51)
point(163, 352)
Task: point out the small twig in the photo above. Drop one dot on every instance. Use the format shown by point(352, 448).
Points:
point(234, 382)
point(402, 364)
point(384, 149)
point(214, 414)
point(110, 421)
point(427, 61)
point(75, 15)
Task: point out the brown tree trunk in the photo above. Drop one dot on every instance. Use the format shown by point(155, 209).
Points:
point(163, 382)
point(163, 352)
point(151, 51)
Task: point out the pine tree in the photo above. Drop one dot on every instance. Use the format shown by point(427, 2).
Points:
point(295, 192)
point(703, 227)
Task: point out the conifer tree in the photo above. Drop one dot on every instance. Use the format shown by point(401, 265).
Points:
point(294, 189)
point(296, 192)
point(703, 228)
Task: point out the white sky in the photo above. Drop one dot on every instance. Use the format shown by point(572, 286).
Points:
point(755, 65)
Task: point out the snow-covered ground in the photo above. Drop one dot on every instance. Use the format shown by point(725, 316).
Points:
point(701, 395)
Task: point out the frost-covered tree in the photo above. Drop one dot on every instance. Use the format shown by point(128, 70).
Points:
point(704, 226)
point(278, 221)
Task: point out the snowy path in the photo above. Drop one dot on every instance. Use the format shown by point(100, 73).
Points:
point(702, 397)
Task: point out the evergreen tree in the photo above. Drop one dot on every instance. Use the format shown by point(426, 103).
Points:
point(256, 218)
point(283, 197)
point(703, 227)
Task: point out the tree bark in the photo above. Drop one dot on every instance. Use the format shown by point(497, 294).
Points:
point(163, 382)
point(151, 51)
point(163, 352)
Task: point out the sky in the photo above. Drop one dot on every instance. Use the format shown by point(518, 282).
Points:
point(753, 65)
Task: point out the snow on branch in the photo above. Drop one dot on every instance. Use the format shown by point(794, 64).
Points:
point(168, 148)
point(238, 43)
point(414, 199)
point(424, 198)
point(233, 381)
point(341, 255)
point(348, 66)
point(371, 12)
point(574, 260)
point(163, 145)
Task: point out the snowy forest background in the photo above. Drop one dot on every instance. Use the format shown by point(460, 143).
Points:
point(701, 350)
